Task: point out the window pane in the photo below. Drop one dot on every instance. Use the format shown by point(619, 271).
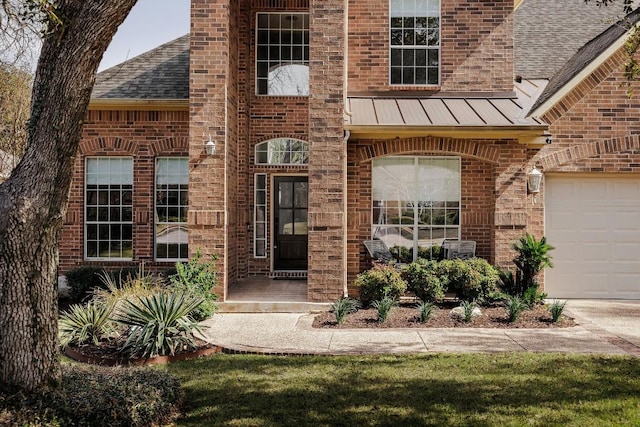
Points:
point(410, 199)
point(283, 40)
point(172, 198)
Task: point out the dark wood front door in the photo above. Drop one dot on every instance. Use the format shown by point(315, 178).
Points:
point(290, 223)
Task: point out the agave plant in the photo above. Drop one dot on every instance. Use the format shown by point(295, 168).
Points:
point(344, 306)
point(159, 324)
point(85, 323)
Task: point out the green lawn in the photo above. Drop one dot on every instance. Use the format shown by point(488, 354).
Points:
point(475, 390)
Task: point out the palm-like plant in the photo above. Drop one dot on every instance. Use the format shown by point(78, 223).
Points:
point(159, 324)
point(533, 256)
point(84, 323)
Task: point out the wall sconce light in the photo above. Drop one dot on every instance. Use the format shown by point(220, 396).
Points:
point(210, 147)
point(534, 179)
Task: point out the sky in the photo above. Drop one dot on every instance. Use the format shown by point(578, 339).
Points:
point(150, 24)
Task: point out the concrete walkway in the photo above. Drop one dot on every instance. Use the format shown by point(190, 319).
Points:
point(604, 327)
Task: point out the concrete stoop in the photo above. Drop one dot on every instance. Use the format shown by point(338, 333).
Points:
point(271, 307)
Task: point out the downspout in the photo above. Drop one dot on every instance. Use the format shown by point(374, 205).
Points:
point(347, 134)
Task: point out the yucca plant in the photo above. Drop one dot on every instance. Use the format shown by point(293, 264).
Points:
point(556, 309)
point(515, 306)
point(159, 325)
point(344, 306)
point(120, 289)
point(384, 307)
point(85, 323)
point(425, 309)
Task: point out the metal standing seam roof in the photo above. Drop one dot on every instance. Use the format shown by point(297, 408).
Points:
point(451, 111)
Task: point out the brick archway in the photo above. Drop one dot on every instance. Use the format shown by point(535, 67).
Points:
point(170, 145)
point(585, 151)
point(108, 145)
point(465, 148)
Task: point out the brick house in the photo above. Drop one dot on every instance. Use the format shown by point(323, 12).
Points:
point(332, 122)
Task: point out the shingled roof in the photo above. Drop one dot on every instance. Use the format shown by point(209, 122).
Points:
point(547, 33)
point(161, 73)
point(586, 55)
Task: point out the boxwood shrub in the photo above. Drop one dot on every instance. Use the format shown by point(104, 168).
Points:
point(380, 281)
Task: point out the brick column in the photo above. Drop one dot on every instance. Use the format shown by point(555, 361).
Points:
point(511, 203)
point(327, 174)
point(209, 62)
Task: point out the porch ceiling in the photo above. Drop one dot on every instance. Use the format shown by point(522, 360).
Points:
point(455, 115)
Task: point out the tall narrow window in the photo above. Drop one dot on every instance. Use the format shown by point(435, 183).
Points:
point(415, 42)
point(282, 54)
point(172, 203)
point(416, 201)
point(260, 217)
point(109, 208)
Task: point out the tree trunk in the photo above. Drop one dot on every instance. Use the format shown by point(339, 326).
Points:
point(33, 200)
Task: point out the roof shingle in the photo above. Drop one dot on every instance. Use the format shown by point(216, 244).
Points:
point(161, 73)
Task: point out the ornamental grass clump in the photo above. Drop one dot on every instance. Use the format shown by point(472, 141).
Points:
point(467, 310)
point(515, 306)
point(344, 306)
point(556, 310)
point(159, 325)
point(424, 309)
point(384, 307)
point(88, 323)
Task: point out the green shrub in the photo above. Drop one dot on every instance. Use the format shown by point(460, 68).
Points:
point(344, 306)
point(533, 296)
point(556, 309)
point(97, 396)
point(515, 306)
point(380, 281)
point(82, 281)
point(384, 307)
point(197, 278)
point(487, 278)
point(119, 288)
point(425, 309)
point(159, 325)
point(84, 323)
point(423, 280)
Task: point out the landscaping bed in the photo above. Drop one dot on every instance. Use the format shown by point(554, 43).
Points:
point(407, 316)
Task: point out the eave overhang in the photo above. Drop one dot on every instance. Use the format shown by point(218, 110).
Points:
point(139, 104)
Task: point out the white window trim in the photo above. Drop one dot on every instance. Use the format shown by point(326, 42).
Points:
point(256, 238)
point(86, 221)
point(155, 223)
point(375, 226)
point(426, 85)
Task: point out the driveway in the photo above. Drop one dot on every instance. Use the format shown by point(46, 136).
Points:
point(615, 320)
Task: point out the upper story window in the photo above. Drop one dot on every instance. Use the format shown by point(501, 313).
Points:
point(415, 42)
point(282, 54)
point(282, 151)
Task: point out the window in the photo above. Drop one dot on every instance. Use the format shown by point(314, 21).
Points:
point(415, 42)
point(172, 203)
point(260, 217)
point(282, 151)
point(109, 208)
point(282, 54)
point(416, 201)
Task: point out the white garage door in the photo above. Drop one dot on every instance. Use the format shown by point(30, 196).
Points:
point(594, 223)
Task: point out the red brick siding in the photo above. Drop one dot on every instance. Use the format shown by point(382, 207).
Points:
point(476, 46)
point(143, 135)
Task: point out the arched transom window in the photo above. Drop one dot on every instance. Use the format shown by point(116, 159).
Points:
point(282, 151)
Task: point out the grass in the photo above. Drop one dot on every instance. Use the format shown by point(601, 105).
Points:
point(474, 389)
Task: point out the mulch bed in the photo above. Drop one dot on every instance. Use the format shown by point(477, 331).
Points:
point(407, 316)
point(106, 353)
